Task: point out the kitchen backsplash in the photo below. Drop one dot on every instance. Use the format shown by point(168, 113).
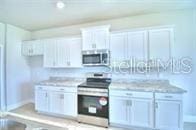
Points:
point(39, 73)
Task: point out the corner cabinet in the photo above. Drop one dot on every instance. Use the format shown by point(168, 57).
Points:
point(95, 38)
point(32, 48)
point(61, 101)
point(58, 53)
point(125, 108)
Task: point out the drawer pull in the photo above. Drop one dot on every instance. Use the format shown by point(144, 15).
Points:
point(168, 97)
point(129, 94)
point(62, 89)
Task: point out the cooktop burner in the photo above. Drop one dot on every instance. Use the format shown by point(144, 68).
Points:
point(96, 83)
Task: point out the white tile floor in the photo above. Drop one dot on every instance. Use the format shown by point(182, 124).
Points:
point(26, 114)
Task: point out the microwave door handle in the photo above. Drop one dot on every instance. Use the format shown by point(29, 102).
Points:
point(101, 58)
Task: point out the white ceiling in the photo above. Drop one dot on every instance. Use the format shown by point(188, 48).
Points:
point(41, 14)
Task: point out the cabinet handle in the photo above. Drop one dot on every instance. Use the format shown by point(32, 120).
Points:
point(129, 94)
point(61, 96)
point(130, 103)
point(68, 63)
point(168, 97)
point(95, 45)
point(46, 95)
point(156, 105)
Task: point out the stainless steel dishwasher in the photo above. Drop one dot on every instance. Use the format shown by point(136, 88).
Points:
point(6, 124)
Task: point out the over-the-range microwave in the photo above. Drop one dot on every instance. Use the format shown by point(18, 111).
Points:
point(96, 58)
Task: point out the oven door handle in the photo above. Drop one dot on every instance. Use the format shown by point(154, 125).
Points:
point(99, 94)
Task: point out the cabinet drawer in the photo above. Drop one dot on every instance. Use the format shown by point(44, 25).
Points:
point(64, 89)
point(41, 87)
point(168, 96)
point(127, 93)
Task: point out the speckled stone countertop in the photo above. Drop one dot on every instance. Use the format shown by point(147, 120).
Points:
point(62, 82)
point(160, 86)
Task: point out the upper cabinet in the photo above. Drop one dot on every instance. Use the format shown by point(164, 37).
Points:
point(58, 53)
point(160, 43)
point(32, 48)
point(142, 45)
point(95, 38)
point(128, 45)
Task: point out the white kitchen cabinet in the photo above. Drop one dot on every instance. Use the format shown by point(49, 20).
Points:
point(131, 108)
point(119, 110)
point(70, 104)
point(168, 112)
point(57, 104)
point(42, 100)
point(75, 55)
point(95, 38)
point(142, 112)
point(137, 46)
point(32, 48)
point(126, 46)
point(49, 53)
point(118, 43)
point(61, 101)
point(160, 41)
point(63, 53)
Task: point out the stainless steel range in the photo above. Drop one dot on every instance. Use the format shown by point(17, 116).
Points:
point(93, 102)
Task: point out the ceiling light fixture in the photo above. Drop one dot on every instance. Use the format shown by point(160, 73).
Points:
point(60, 5)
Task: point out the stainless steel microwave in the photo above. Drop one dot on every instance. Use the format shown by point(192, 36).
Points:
point(96, 58)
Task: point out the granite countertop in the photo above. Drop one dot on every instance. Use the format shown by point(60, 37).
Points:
point(62, 82)
point(161, 86)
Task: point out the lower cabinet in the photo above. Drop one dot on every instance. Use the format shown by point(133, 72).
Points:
point(131, 111)
point(168, 113)
point(42, 100)
point(56, 100)
point(161, 111)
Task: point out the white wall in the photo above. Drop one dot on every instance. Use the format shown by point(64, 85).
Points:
point(2, 33)
point(184, 22)
point(2, 59)
point(19, 89)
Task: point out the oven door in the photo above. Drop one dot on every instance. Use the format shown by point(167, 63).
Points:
point(93, 106)
point(91, 59)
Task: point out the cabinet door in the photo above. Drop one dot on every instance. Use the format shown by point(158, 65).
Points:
point(70, 104)
point(159, 44)
point(142, 113)
point(101, 39)
point(137, 45)
point(41, 100)
point(49, 53)
point(37, 46)
point(118, 46)
point(26, 48)
point(57, 103)
point(168, 115)
point(75, 56)
point(119, 110)
point(62, 54)
point(87, 40)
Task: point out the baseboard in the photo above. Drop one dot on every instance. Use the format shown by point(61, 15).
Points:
point(19, 104)
point(190, 118)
